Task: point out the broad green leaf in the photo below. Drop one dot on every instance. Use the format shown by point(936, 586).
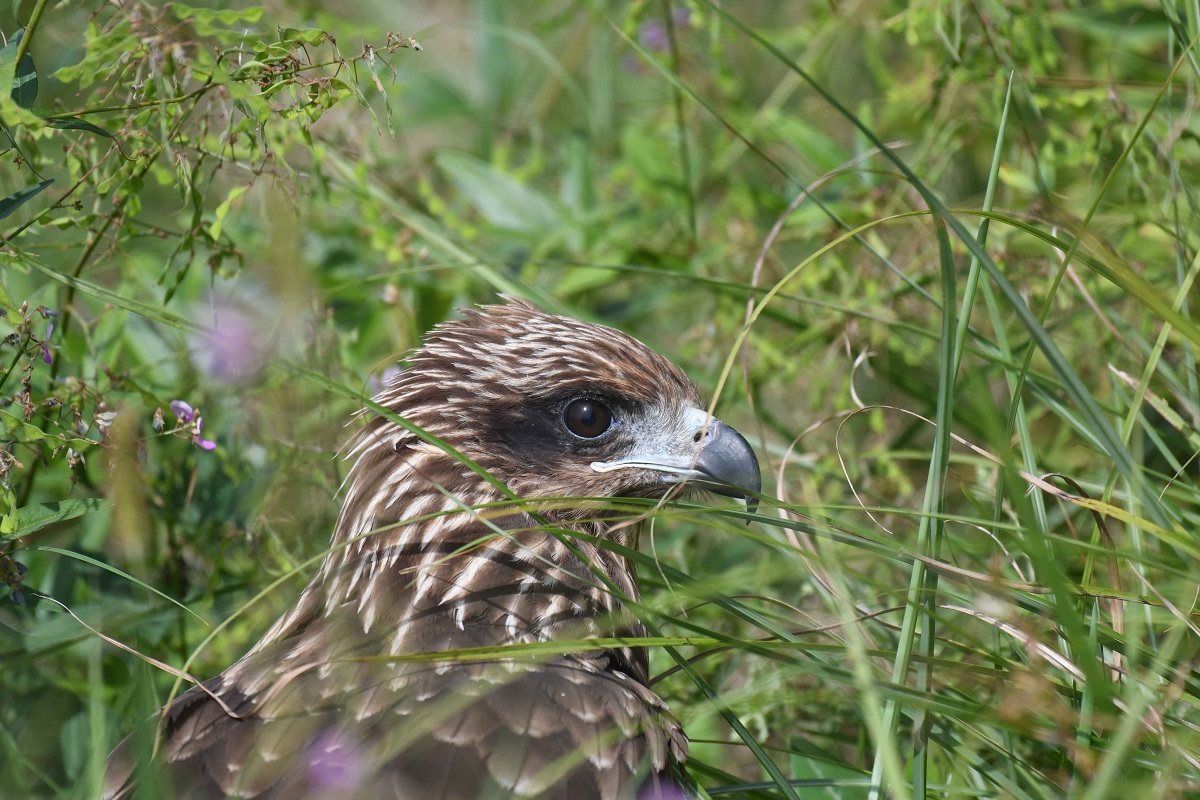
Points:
point(11, 103)
point(32, 433)
point(24, 81)
point(37, 516)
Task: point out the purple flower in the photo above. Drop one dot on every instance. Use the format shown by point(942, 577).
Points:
point(233, 348)
point(46, 355)
point(653, 36)
point(204, 443)
point(182, 411)
point(390, 375)
point(377, 383)
point(191, 417)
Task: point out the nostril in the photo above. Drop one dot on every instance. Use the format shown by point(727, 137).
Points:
point(697, 437)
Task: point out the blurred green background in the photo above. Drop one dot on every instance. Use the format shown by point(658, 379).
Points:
point(258, 209)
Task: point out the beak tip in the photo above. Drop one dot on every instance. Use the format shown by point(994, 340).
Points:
point(729, 460)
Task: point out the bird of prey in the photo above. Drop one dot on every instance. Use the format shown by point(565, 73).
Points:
point(346, 697)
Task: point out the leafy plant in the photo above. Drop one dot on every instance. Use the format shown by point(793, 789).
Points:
point(940, 257)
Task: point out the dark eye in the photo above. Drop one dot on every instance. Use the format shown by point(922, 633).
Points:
point(587, 418)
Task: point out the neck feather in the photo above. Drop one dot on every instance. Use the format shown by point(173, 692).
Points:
point(411, 555)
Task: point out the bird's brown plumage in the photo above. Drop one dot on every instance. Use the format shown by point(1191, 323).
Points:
point(321, 707)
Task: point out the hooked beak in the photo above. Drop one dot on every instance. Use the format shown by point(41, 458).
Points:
point(705, 453)
point(726, 465)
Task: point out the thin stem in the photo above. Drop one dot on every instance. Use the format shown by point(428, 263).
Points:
point(27, 36)
point(685, 158)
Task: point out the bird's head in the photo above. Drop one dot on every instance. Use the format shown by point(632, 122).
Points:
point(556, 407)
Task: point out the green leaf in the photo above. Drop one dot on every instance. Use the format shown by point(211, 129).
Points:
point(18, 198)
point(835, 781)
point(502, 200)
point(209, 22)
point(24, 80)
point(33, 433)
point(120, 573)
point(77, 124)
point(581, 280)
point(148, 397)
point(309, 36)
point(223, 211)
point(100, 292)
point(1017, 179)
point(37, 516)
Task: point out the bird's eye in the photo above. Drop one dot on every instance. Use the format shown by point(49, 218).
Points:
point(587, 418)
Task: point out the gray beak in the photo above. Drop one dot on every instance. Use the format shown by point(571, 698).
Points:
point(726, 464)
point(722, 461)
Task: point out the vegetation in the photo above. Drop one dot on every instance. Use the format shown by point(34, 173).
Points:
point(938, 258)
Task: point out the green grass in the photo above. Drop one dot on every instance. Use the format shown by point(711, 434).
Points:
point(936, 261)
